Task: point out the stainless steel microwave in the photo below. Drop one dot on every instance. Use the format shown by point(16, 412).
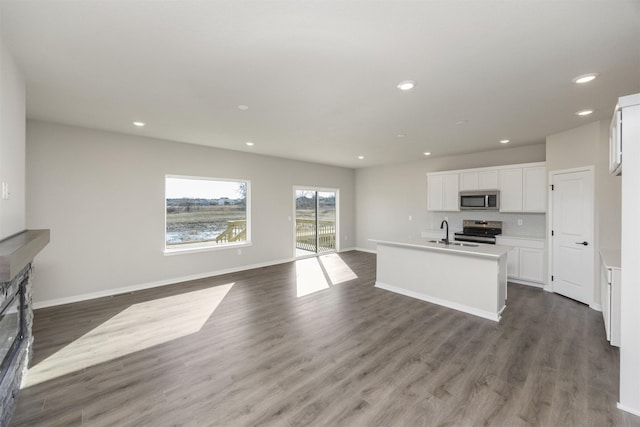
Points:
point(483, 200)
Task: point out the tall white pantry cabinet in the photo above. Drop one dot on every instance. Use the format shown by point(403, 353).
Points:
point(630, 271)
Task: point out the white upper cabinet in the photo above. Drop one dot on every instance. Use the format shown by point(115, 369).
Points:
point(484, 180)
point(511, 190)
point(442, 192)
point(451, 191)
point(468, 181)
point(488, 180)
point(523, 189)
point(534, 186)
point(435, 190)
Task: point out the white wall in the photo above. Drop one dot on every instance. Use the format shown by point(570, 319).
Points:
point(102, 196)
point(588, 145)
point(584, 146)
point(12, 144)
point(387, 195)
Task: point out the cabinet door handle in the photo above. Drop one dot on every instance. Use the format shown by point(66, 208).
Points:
point(582, 243)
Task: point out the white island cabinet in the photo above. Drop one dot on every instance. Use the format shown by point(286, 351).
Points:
point(470, 278)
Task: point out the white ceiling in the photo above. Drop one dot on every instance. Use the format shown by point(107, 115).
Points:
point(320, 77)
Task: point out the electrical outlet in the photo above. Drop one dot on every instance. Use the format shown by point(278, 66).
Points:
point(410, 218)
point(345, 238)
point(446, 218)
point(239, 251)
point(519, 221)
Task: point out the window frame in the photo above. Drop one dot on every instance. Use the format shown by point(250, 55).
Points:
point(207, 246)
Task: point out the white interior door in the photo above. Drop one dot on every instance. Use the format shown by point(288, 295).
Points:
point(572, 228)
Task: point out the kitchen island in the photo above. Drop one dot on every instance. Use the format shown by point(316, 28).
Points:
point(467, 277)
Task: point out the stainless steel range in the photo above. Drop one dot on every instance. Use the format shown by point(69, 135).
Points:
point(479, 231)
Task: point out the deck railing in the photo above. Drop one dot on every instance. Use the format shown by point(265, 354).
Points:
point(305, 234)
point(236, 231)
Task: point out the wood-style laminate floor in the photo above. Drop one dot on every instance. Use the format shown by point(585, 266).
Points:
point(244, 349)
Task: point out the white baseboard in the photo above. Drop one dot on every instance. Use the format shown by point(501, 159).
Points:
point(460, 307)
point(629, 410)
point(149, 285)
point(596, 307)
point(548, 288)
point(371, 251)
point(347, 249)
point(527, 283)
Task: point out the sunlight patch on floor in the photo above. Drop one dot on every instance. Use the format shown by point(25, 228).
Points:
point(309, 277)
point(138, 327)
point(319, 273)
point(337, 270)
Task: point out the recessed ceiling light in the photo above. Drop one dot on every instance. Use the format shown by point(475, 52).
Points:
point(400, 135)
point(427, 153)
point(585, 78)
point(504, 141)
point(461, 122)
point(406, 85)
point(243, 107)
point(139, 124)
point(584, 112)
point(360, 157)
point(249, 143)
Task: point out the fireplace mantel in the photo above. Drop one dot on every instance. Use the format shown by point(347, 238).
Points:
point(19, 250)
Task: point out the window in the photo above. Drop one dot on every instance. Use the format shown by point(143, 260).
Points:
point(205, 212)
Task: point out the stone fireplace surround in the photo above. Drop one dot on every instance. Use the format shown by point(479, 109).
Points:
point(16, 256)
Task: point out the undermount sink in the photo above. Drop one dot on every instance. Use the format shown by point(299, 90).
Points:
point(440, 242)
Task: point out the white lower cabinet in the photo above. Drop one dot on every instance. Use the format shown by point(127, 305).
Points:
point(610, 294)
point(513, 262)
point(532, 264)
point(525, 261)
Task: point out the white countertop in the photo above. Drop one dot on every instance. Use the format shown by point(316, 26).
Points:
point(611, 257)
point(482, 250)
point(432, 233)
point(515, 236)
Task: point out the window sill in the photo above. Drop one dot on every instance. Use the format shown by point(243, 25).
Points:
point(203, 247)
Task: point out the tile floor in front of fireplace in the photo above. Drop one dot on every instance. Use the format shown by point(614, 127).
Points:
point(245, 349)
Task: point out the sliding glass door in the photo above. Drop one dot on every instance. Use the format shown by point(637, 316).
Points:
point(316, 213)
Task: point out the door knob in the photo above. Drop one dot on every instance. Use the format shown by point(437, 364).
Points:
point(582, 243)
